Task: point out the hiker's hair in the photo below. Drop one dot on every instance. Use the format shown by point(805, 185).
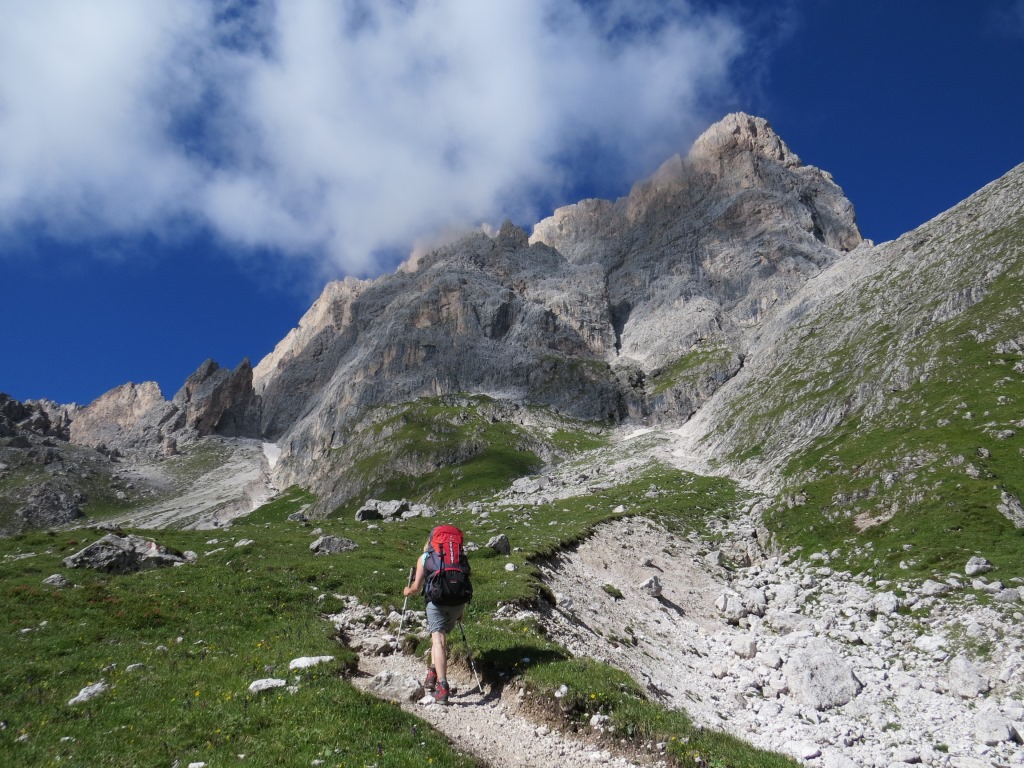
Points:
point(427, 547)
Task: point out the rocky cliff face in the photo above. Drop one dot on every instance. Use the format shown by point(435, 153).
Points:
point(639, 308)
point(713, 243)
point(135, 418)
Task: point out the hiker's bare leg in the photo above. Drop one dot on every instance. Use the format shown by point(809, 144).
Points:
point(439, 654)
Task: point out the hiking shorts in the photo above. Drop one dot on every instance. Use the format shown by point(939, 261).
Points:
point(443, 618)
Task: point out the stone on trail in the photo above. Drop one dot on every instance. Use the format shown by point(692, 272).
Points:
point(395, 687)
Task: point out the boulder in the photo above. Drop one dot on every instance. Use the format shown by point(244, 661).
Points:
point(369, 511)
point(932, 588)
point(992, 729)
point(731, 606)
point(886, 603)
point(965, 679)
point(395, 687)
point(977, 566)
point(651, 586)
point(266, 684)
point(500, 544)
point(57, 580)
point(819, 677)
point(89, 692)
point(124, 553)
point(392, 510)
point(1010, 507)
point(305, 662)
point(332, 545)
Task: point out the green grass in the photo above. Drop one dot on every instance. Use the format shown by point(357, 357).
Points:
point(907, 465)
point(692, 368)
point(205, 631)
point(446, 449)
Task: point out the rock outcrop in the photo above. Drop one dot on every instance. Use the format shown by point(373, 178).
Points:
point(122, 417)
point(124, 553)
point(43, 418)
point(135, 418)
point(219, 401)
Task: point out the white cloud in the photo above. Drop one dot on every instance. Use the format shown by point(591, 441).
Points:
point(336, 129)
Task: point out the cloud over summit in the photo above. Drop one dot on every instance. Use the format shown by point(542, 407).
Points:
point(337, 130)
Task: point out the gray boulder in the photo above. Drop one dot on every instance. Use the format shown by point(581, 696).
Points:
point(886, 603)
point(332, 545)
point(124, 553)
point(965, 679)
point(365, 514)
point(395, 687)
point(90, 692)
point(992, 729)
point(500, 544)
point(392, 510)
point(819, 677)
point(1010, 507)
point(977, 566)
point(651, 586)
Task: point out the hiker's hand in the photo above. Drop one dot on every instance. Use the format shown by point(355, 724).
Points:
point(406, 591)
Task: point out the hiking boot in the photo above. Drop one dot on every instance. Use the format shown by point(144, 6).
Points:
point(431, 682)
point(442, 693)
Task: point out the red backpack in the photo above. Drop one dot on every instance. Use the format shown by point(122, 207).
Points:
point(447, 568)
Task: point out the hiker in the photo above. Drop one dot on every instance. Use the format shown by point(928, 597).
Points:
point(442, 573)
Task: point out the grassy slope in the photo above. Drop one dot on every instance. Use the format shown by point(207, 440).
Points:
point(440, 450)
point(927, 408)
point(205, 631)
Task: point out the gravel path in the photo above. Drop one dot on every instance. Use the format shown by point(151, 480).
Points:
point(491, 726)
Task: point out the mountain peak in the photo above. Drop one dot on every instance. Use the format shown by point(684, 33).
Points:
point(739, 132)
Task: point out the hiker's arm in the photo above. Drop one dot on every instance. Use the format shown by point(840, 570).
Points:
point(417, 582)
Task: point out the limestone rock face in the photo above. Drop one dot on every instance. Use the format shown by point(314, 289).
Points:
point(44, 418)
point(113, 417)
point(219, 401)
point(709, 245)
point(641, 307)
point(136, 418)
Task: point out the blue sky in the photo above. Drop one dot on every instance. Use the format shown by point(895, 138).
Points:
point(179, 178)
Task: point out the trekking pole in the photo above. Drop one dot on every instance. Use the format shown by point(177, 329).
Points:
point(405, 603)
point(469, 654)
